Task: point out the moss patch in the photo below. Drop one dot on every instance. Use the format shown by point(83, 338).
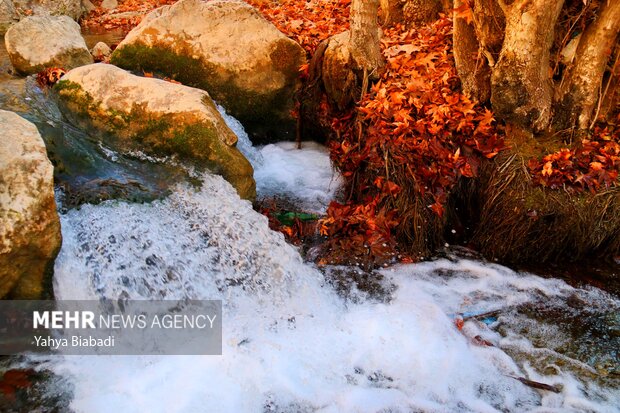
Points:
point(522, 223)
point(179, 134)
point(265, 116)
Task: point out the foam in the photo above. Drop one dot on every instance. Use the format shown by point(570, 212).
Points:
point(290, 342)
point(304, 176)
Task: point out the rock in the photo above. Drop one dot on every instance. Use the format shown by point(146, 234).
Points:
point(87, 6)
point(8, 15)
point(109, 4)
point(228, 49)
point(156, 117)
point(39, 42)
point(11, 11)
point(339, 81)
point(101, 51)
point(71, 8)
point(29, 224)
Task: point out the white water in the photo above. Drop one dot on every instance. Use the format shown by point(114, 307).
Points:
point(302, 176)
point(291, 343)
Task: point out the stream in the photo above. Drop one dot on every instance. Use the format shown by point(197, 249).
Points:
point(294, 338)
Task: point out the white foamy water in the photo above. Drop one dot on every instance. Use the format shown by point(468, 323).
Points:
point(304, 176)
point(291, 344)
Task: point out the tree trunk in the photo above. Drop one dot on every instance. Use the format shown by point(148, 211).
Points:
point(475, 74)
point(490, 24)
point(476, 47)
point(421, 11)
point(610, 107)
point(521, 84)
point(364, 41)
point(582, 85)
point(343, 64)
point(392, 11)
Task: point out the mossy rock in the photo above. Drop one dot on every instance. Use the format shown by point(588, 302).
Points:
point(30, 49)
point(30, 235)
point(252, 72)
point(157, 117)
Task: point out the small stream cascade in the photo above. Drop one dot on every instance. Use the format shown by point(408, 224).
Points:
point(291, 341)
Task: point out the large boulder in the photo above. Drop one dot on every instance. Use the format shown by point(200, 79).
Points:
point(156, 117)
point(12, 10)
point(8, 15)
point(29, 224)
point(228, 49)
point(39, 42)
point(337, 77)
point(71, 8)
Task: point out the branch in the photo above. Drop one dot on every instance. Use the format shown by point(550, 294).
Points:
point(503, 6)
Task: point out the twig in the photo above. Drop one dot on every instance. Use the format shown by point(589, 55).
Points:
point(536, 385)
point(483, 315)
point(602, 96)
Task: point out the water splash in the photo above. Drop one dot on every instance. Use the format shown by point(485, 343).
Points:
point(290, 342)
point(304, 177)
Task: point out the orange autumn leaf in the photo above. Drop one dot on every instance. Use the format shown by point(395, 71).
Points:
point(547, 169)
point(596, 166)
point(464, 11)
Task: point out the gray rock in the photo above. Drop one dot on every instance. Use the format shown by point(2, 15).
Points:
point(109, 4)
point(39, 42)
point(8, 15)
point(228, 49)
point(29, 224)
point(157, 117)
point(101, 51)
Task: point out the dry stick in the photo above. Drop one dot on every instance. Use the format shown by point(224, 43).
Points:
point(386, 161)
point(602, 96)
point(364, 84)
point(565, 39)
point(536, 385)
point(298, 131)
point(492, 313)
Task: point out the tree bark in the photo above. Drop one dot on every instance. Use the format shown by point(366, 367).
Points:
point(413, 12)
point(364, 41)
point(392, 11)
point(490, 24)
point(610, 106)
point(476, 47)
point(421, 11)
point(521, 84)
point(582, 85)
point(475, 74)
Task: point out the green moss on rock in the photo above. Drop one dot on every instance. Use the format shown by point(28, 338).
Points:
point(170, 134)
point(266, 116)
